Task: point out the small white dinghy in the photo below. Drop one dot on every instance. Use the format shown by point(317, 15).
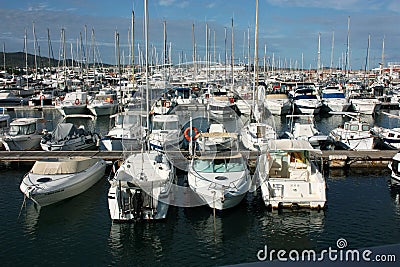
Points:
point(55, 179)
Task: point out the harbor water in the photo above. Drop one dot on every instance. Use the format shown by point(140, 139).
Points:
point(362, 207)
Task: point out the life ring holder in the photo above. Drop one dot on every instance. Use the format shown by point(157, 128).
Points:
point(77, 102)
point(188, 137)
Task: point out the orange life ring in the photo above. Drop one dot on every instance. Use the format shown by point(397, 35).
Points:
point(77, 102)
point(42, 97)
point(187, 136)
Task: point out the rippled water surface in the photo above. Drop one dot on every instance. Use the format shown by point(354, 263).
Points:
point(363, 208)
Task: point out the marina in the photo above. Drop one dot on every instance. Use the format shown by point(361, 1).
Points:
point(146, 161)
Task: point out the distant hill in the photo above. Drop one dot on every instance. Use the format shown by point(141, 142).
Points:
point(17, 60)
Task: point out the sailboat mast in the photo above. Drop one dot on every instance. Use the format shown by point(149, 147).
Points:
point(319, 54)
point(26, 56)
point(34, 47)
point(347, 65)
point(232, 55)
point(256, 48)
point(332, 50)
point(383, 55)
point(133, 45)
point(4, 56)
point(146, 37)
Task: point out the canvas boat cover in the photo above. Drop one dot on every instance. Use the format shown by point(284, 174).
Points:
point(63, 130)
point(62, 165)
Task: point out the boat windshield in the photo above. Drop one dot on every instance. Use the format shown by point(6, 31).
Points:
point(333, 95)
point(22, 129)
point(219, 165)
point(165, 125)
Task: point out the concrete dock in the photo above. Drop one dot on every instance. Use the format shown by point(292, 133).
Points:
point(331, 158)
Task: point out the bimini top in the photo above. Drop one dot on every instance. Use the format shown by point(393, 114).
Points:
point(291, 145)
point(53, 166)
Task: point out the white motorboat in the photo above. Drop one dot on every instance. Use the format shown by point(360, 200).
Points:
point(304, 129)
point(221, 180)
point(22, 135)
point(395, 168)
point(104, 103)
point(277, 104)
point(140, 188)
point(73, 103)
point(389, 137)
point(364, 103)
point(215, 139)
point(291, 178)
point(164, 128)
point(255, 135)
point(127, 133)
point(306, 100)
point(52, 180)
point(222, 107)
point(353, 135)
point(335, 100)
point(4, 122)
point(67, 137)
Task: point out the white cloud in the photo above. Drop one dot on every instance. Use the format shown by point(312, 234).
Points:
point(352, 5)
point(166, 2)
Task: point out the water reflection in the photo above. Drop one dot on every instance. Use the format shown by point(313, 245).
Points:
point(72, 212)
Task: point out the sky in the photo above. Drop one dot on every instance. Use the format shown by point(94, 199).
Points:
point(288, 29)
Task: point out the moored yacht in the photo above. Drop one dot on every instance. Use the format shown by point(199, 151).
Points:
point(164, 128)
point(140, 188)
point(394, 166)
point(22, 135)
point(291, 178)
point(52, 180)
point(104, 103)
point(306, 100)
point(335, 100)
point(73, 103)
point(353, 135)
point(221, 180)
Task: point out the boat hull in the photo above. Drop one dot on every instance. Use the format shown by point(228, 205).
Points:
point(75, 184)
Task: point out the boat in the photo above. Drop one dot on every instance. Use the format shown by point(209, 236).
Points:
point(304, 129)
point(335, 100)
point(104, 103)
point(395, 168)
point(215, 139)
point(364, 103)
point(127, 132)
point(221, 180)
point(255, 135)
point(140, 188)
point(278, 103)
point(164, 128)
point(353, 135)
point(67, 137)
point(55, 179)
point(22, 135)
point(291, 178)
point(306, 100)
point(72, 103)
point(389, 138)
point(4, 122)
point(9, 99)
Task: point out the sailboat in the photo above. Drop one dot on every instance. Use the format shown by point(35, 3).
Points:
point(140, 187)
point(255, 135)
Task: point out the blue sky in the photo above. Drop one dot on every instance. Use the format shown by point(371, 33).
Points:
point(289, 28)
